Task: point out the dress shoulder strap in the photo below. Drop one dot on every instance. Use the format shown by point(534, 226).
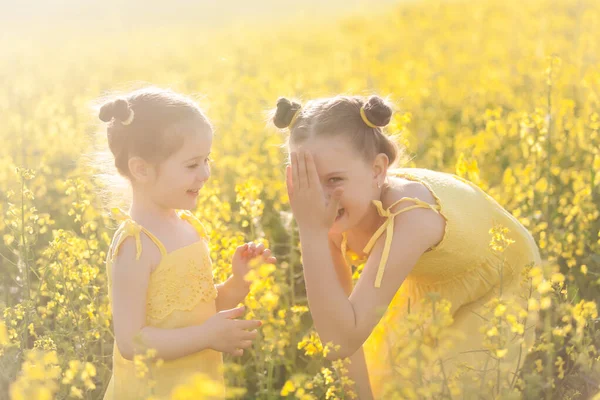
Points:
point(195, 222)
point(388, 228)
point(130, 228)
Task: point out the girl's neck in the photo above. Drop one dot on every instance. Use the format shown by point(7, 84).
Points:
point(359, 236)
point(144, 209)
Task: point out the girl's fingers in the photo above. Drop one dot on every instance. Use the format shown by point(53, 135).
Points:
point(302, 177)
point(260, 249)
point(244, 344)
point(248, 323)
point(243, 250)
point(252, 249)
point(288, 181)
point(249, 335)
point(237, 352)
point(311, 170)
point(311, 179)
point(295, 178)
point(268, 258)
point(233, 313)
point(247, 250)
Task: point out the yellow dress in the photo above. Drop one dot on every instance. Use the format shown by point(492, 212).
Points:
point(180, 293)
point(462, 268)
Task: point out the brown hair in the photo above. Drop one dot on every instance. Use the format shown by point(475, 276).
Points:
point(340, 115)
point(149, 123)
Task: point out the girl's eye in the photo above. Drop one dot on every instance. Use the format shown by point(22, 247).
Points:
point(335, 179)
point(195, 165)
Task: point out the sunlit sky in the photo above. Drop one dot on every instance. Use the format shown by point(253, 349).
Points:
point(91, 13)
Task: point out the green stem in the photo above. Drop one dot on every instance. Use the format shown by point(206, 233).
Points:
point(24, 259)
point(516, 373)
point(549, 151)
point(549, 369)
point(292, 262)
point(498, 376)
point(270, 377)
point(484, 373)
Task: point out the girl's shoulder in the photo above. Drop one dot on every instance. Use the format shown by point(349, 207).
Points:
point(432, 179)
point(129, 240)
point(421, 208)
point(404, 192)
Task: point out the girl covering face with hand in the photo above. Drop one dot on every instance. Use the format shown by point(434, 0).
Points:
point(418, 231)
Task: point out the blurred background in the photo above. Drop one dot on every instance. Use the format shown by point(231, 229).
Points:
point(503, 93)
point(115, 13)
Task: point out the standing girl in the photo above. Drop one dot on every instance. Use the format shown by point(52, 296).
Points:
point(420, 231)
point(159, 271)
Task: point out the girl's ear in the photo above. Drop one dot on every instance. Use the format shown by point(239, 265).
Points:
point(380, 166)
point(140, 170)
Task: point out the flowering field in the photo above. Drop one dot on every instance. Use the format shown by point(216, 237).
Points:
point(506, 94)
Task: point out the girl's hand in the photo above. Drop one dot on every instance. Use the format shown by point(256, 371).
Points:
point(230, 335)
point(311, 210)
point(240, 263)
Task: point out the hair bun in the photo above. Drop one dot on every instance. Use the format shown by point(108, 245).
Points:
point(117, 109)
point(378, 111)
point(285, 112)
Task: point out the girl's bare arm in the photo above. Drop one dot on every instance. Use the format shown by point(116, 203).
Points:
point(358, 367)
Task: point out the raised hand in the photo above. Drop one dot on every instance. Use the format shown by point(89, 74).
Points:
point(311, 210)
point(243, 256)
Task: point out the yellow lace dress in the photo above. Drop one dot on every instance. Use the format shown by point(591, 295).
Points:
point(180, 293)
point(462, 268)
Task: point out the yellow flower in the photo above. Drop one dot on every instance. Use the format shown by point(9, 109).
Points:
point(200, 386)
point(499, 310)
point(76, 392)
point(3, 334)
point(557, 277)
point(38, 377)
point(545, 303)
point(544, 287)
point(331, 392)
point(312, 345)
point(328, 375)
point(515, 325)
point(492, 332)
point(533, 304)
point(287, 388)
point(538, 365)
point(500, 241)
point(560, 365)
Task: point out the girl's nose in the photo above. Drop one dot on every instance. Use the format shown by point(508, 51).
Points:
point(204, 173)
